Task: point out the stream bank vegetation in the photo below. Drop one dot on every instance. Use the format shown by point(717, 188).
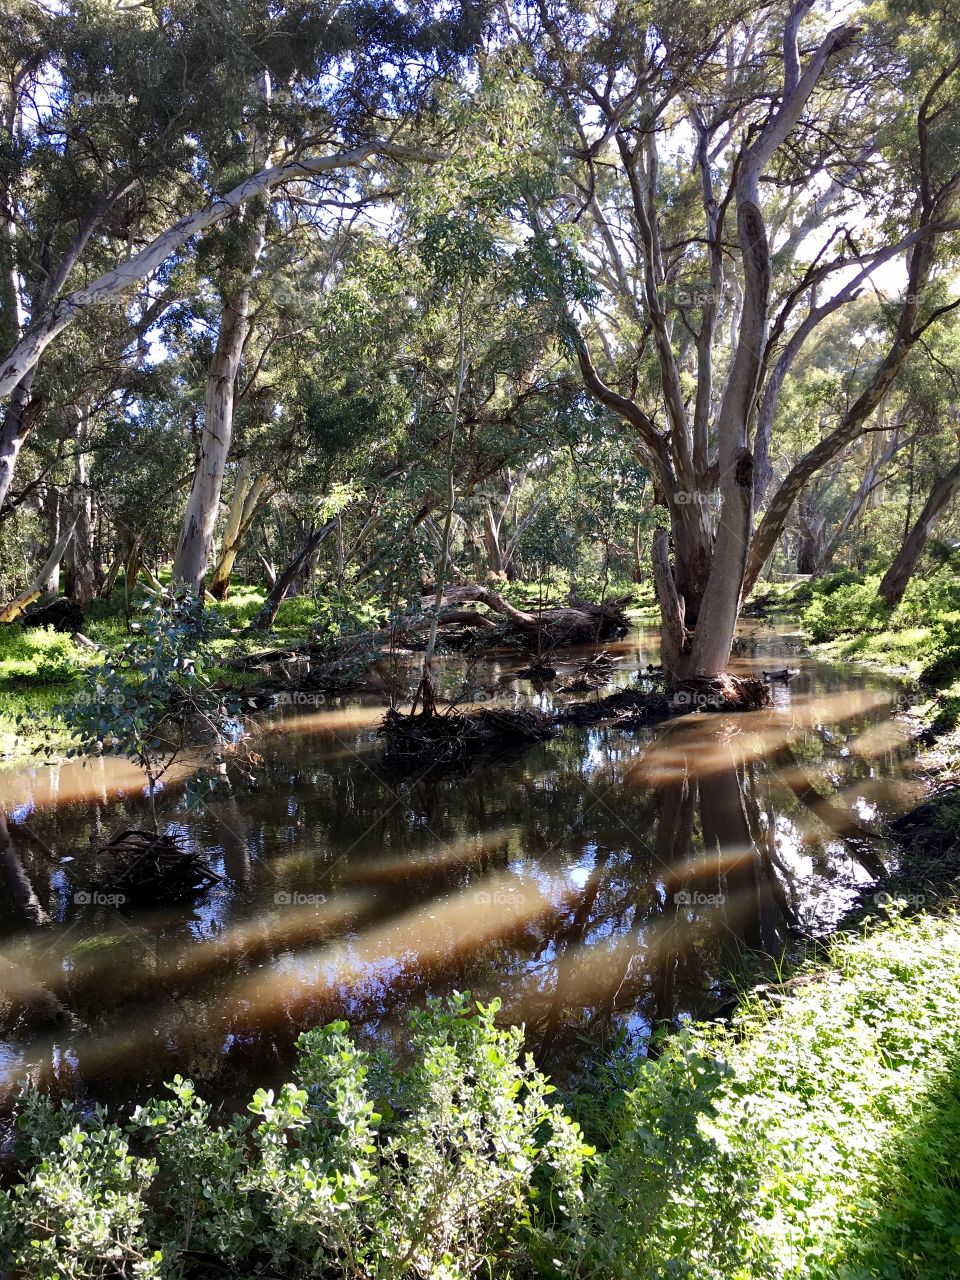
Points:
point(340, 340)
point(814, 1136)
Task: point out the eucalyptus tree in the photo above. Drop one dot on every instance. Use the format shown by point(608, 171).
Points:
point(738, 176)
point(171, 117)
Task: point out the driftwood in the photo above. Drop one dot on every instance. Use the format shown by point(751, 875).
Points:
point(143, 868)
point(579, 622)
point(453, 737)
point(640, 706)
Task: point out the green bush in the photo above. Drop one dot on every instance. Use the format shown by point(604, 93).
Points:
point(354, 1169)
point(816, 1138)
point(843, 607)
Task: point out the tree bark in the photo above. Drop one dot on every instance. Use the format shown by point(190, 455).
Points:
point(248, 498)
point(673, 634)
point(10, 612)
point(895, 580)
point(810, 536)
point(203, 505)
point(271, 606)
point(79, 571)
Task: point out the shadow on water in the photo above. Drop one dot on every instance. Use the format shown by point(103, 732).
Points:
point(606, 878)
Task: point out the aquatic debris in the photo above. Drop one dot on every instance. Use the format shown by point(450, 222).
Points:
point(146, 868)
point(635, 707)
point(541, 671)
point(452, 737)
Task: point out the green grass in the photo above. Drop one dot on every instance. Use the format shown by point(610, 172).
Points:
point(40, 668)
point(816, 1138)
point(906, 649)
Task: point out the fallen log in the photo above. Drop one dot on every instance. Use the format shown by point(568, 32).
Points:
point(579, 622)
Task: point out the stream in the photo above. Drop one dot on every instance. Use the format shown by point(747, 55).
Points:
point(608, 880)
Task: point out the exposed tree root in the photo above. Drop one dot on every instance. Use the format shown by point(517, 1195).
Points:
point(453, 737)
point(144, 869)
point(719, 693)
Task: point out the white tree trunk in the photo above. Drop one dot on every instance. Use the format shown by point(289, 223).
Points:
point(62, 313)
point(248, 498)
point(13, 610)
point(200, 516)
point(78, 558)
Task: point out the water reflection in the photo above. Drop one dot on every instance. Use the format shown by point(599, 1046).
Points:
point(609, 875)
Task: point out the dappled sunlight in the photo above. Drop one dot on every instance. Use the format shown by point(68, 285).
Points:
point(95, 778)
point(65, 965)
point(409, 865)
point(329, 720)
point(606, 869)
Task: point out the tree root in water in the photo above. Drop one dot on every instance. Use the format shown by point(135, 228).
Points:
point(144, 868)
point(452, 737)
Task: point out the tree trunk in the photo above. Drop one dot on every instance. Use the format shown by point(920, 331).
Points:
point(203, 505)
point(897, 577)
point(18, 420)
point(25, 599)
point(51, 321)
point(51, 587)
point(673, 633)
point(491, 543)
point(248, 498)
point(79, 575)
point(271, 606)
point(810, 537)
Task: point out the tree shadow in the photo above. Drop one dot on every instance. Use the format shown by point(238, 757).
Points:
point(910, 1227)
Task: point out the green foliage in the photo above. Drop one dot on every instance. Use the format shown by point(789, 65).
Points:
point(843, 604)
point(138, 699)
point(816, 1140)
point(847, 604)
point(354, 1169)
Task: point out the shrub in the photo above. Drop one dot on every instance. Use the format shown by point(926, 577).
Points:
point(843, 607)
point(354, 1169)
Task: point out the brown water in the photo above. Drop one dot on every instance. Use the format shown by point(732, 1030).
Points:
point(605, 879)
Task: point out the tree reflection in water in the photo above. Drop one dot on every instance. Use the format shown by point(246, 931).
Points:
point(609, 877)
